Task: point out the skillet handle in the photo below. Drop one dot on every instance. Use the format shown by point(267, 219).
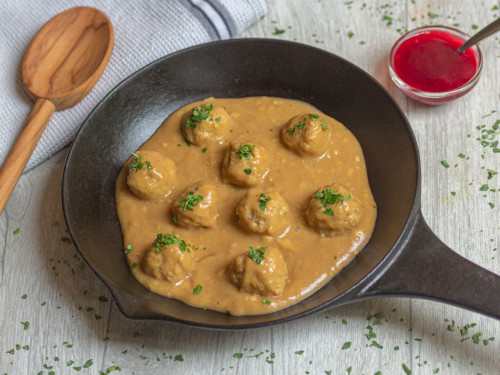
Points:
point(427, 268)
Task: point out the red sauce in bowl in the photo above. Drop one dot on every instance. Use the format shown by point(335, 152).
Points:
point(429, 62)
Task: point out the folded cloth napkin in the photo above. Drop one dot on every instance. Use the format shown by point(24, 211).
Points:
point(145, 30)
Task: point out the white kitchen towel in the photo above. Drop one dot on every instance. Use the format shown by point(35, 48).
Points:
point(145, 30)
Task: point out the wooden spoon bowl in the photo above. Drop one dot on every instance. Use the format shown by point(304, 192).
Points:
point(62, 64)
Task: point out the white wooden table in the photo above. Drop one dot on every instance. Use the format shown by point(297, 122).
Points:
point(56, 316)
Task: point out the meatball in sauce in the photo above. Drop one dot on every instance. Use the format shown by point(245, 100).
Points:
point(264, 211)
point(245, 164)
point(307, 134)
point(151, 175)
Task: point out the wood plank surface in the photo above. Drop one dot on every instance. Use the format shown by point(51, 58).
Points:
point(57, 317)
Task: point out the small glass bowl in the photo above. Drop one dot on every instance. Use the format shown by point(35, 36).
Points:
point(434, 98)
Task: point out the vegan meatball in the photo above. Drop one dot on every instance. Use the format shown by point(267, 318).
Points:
point(259, 271)
point(245, 164)
point(151, 175)
point(307, 134)
point(170, 259)
point(332, 210)
point(264, 211)
point(197, 206)
point(205, 124)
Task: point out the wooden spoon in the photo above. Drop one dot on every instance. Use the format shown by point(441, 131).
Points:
point(62, 64)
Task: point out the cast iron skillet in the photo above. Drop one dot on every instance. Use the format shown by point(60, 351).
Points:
point(403, 257)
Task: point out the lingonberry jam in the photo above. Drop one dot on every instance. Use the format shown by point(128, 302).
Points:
point(429, 61)
point(425, 65)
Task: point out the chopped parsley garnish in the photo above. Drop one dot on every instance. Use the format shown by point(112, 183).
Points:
point(190, 201)
point(165, 240)
point(133, 265)
point(484, 187)
point(199, 114)
point(292, 130)
point(179, 358)
point(247, 170)
point(330, 197)
point(266, 301)
point(204, 150)
point(256, 255)
point(491, 173)
point(263, 199)
point(138, 164)
point(197, 289)
point(313, 116)
point(328, 211)
point(26, 325)
point(278, 31)
point(301, 124)
point(174, 219)
point(346, 345)
point(129, 249)
point(445, 164)
point(245, 151)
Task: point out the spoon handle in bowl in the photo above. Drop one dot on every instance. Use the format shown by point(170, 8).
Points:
point(20, 153)
point(480, 35)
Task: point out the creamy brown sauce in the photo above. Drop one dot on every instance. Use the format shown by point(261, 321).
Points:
point(311, 259)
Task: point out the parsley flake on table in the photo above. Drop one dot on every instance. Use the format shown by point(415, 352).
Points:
point(17, 231)
point(190, 201)
point(245, 151)
point(165, 240)
point(179, 358)
point(238, 355)
point(445, 164)
point(256, 255)
point(197, 289)
point(263, 199)
point(199, 114)
point(406, 369)
point(137, 164)
point(278, 31)
point(491, 173)
point(346, 345)
point(26, 325)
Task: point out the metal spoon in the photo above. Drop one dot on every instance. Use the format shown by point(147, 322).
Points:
point(480, 35)
point(62, 64)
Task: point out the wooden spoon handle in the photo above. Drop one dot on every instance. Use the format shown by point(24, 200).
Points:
point(21, 152)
